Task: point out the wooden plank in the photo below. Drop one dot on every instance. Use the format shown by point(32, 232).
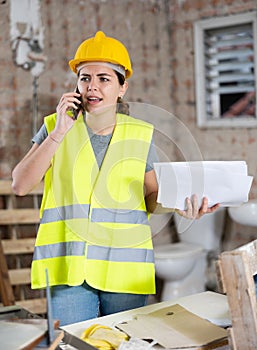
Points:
point(19, 276)
point(220, 279)
point(6, 188)
point(240, 289)
point(58, 337)
point(18, 246)
point(37, 305)
point(19, 216)
point(13, 217)
point(6, 291)
point(251, 249)
point(39, 189)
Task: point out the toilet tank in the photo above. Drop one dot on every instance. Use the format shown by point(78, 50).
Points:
point(206, 231)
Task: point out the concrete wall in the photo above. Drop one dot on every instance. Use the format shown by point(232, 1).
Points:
point(159, 37)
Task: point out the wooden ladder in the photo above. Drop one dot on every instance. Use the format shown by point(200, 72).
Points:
point(19, 218)
point(236, 269)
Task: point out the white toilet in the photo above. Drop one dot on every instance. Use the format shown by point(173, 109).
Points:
point(182, 266)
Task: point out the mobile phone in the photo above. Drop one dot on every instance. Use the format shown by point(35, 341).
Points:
point(80, 106)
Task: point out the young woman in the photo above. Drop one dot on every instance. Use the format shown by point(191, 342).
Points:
point(94, 237)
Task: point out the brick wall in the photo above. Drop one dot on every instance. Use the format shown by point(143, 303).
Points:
point(214, 144)
point(220, 144)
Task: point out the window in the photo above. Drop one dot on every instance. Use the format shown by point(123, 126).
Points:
point(226, 71)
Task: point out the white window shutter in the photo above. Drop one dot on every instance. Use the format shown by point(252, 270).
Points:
point(226, 69)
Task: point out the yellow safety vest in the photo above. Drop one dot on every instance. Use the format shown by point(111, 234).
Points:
point(94, 223)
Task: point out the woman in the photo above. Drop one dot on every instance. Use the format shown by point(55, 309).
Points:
point(94, 237)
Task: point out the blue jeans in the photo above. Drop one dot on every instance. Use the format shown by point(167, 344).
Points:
point(80, 303)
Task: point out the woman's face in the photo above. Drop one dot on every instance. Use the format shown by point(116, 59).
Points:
point(100, 88)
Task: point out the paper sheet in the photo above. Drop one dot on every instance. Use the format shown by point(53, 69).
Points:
point(173, 327)
point(224, 182)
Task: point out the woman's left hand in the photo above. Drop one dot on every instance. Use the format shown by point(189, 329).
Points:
point(193, 211)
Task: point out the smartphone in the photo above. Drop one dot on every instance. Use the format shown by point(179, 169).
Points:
point(80, 106)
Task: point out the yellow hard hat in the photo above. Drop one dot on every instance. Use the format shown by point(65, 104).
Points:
point(101, 48)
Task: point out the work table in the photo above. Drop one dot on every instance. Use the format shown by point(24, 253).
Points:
point(207, 305)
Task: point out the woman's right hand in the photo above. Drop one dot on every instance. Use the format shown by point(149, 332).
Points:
point(64, 121)
point(32, 168)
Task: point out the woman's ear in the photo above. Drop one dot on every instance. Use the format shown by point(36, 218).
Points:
point(123, 89)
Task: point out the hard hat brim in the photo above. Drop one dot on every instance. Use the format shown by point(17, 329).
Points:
point(76, 62)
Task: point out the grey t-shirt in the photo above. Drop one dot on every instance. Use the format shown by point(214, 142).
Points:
point(100, 144)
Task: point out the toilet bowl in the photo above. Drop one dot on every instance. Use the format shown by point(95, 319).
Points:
point(182, 266)
point(173, 263)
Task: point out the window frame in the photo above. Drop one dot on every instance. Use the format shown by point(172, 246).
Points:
point(199, 29)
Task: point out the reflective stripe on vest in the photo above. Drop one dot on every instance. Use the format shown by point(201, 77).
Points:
point(120, 254)
point(78, 211)
point(59, 249)
point(120, 216)
point(93, 252)
point(75, 211)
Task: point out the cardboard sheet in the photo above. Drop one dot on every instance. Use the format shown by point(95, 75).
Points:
point(224, 182)
point(173, 327)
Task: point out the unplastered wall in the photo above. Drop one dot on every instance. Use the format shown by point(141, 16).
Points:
point(159, 37)
point(215, 144)
point(144, 28)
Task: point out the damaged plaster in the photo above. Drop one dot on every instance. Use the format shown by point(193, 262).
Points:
point(27, 35)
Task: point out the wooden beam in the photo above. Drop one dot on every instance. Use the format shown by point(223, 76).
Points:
point(18, 246)
point(6, 291)
point(36, 305)
point(240, 289)
point(6, 188)
point(20, 276)
point(19, 216)
point(16, 243)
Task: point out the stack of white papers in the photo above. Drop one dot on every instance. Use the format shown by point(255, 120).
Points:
point(224, 182)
